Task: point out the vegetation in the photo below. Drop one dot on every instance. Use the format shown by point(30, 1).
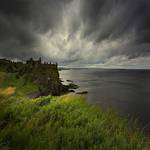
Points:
point(59, 122)
point(44, 75)
point(65, 122)
point(10, 85)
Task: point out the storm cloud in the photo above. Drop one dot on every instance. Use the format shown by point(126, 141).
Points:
point(88, 33)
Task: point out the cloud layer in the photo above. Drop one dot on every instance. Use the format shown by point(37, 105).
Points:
point(94, 33)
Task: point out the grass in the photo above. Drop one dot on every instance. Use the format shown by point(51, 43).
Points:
point(65, 122)
point(11, 85)
point(61, 123)
point(8, 91)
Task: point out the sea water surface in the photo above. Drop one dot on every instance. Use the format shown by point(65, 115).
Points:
point(125, 91)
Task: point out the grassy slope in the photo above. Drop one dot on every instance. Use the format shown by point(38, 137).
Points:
point(65, 122)
point(10, 80)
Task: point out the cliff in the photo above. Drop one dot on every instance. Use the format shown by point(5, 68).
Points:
point(44, 75)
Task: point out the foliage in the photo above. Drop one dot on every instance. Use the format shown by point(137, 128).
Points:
point(65, 122)
point(44, 75)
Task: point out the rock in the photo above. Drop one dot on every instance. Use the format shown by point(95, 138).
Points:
point(71, 91)
point(69, 81)
point(83, 92)
point(73, 86)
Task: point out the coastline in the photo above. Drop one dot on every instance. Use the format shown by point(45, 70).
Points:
point(52, 121)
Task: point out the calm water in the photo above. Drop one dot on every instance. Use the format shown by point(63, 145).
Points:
point(126, 91)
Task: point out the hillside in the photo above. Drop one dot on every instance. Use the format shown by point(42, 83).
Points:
point(58, 122)
point(66, 122)
point(44, 76)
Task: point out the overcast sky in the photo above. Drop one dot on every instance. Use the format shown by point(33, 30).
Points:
point(77, 33)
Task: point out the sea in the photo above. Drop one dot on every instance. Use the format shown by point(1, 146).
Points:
point(125, 91)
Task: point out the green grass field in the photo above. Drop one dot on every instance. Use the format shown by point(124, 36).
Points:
point(60, 123)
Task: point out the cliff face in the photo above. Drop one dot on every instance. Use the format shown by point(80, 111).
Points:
point(44, 75)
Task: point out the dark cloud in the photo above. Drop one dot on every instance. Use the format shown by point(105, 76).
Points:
point(122, 27)
point(22, 20)
point(116, 19)
point(112, 19)
point(15, 8)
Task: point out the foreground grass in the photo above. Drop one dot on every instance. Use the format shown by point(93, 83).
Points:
point(67, 123)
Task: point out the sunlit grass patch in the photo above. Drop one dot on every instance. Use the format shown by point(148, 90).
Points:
point(7, 91)
point(70, 98)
